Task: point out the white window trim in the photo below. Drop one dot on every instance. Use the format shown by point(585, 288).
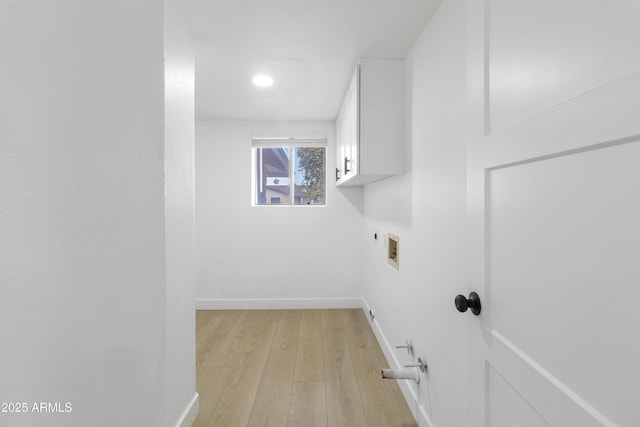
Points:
point(276, 142)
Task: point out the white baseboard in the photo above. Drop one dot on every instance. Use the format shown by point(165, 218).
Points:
point(190, 413)
point(277, 304)
point(407, 388)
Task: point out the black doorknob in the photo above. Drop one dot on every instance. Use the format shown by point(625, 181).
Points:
point(473, 303)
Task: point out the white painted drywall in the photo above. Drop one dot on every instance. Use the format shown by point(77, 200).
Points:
point(181, 395)
point(311, 255)
point(82, 254)
point(426, 208)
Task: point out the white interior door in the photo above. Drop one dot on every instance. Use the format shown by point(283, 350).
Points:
point(554, 186)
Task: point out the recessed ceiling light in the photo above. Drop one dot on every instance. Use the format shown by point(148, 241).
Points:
point(262, 80)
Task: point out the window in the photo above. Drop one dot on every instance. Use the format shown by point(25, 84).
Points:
point(289, 171)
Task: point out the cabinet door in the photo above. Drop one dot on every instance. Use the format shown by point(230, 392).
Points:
point(343, 144)
point(352, 100)
point(347, 132)
point(340, 143)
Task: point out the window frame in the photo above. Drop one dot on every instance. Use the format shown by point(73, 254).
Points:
point(291, 143)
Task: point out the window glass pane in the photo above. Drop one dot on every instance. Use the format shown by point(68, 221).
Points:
point(292, 174)
point(309, 176)
point(273, 182)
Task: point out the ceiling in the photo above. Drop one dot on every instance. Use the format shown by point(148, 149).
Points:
point(309, 47)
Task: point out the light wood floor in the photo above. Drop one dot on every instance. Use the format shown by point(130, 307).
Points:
point(293, 368)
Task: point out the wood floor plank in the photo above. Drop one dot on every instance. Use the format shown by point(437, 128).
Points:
point(288, 330)
point(344, 405)
point(307, 407)
point(333, 319)
point(255, 337)
point(309, 356)
point(235, 329)
point(379, 398)
point(207, 327)
point(360, 333)
point(210, 385)
point(204, 316)
point(211, 334)
point(271, 405)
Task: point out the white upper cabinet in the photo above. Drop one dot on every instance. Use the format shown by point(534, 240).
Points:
point(370, 125)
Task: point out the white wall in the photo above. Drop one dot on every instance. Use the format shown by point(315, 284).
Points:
point(255, 257)
point(82, 270)
point(181, 397)
point(426, 208)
